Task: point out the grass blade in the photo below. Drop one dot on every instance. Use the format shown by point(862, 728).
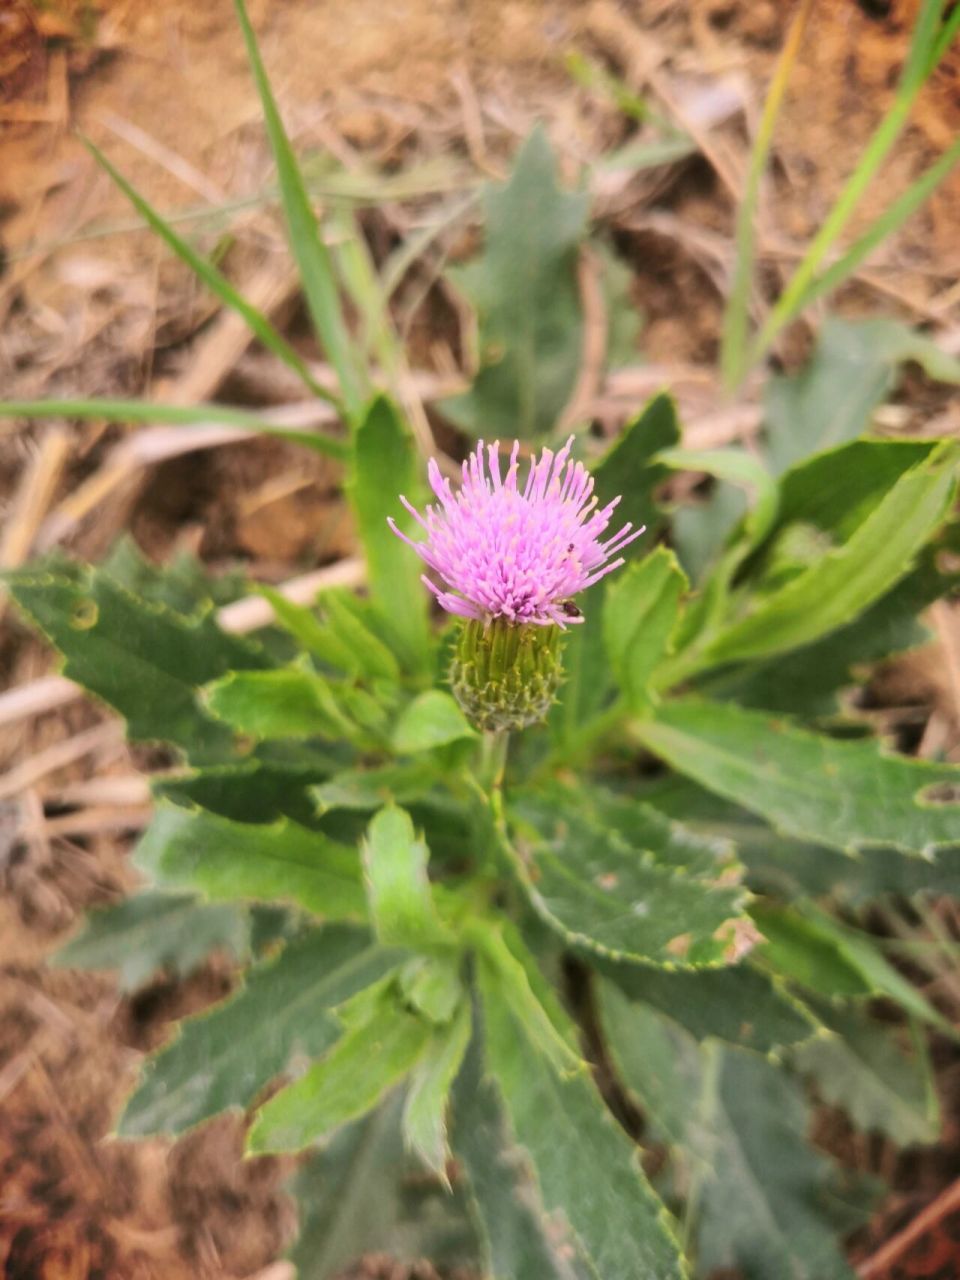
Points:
point(214, 279)
point(930, 41)
point(193, 415)
point(316, 268)
point(733, 352)
point(885, 225)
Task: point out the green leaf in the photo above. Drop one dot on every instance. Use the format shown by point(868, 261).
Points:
point(398, 889)
point(386, 467)
point(796, 949)
point(252, 790)
point(282, 861)
point(289, 703)
point(215, 280)
point(510, 973)
point(763, 1193)
point(630, 469)
point(361, 1068)
point(788, 868)
point(368, 655)
point(807, 945)
point(738, 1004)
point(853, 370)
point(639, 614)
point(282, 1014)
point(653, 1057)
point(838, 490)
point(363, 1193)
point(618, 901)
point(848, 579)
point(518, 1242)
point(525, 291)
point(840, 793)
point(431, 720)
point(424, 1115)
point(433, 985)
point(362, 789)
point(154, 931)
point(808, 681)
point(178, 415)
point(142, 658)
point(759, 1197)
point(625, 471)
point(306, 242)
point(742, 469)
point(585, 1166)
point(858, 1067)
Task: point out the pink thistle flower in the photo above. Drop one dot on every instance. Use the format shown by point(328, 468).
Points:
point(513, 553)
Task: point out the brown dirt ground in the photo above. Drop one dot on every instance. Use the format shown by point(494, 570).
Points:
point(165, 89)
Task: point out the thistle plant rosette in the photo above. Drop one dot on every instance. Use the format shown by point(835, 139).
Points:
point(511, 560)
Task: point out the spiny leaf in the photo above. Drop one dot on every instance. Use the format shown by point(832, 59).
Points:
point(282, 1013)
point(511, 1224)
point(585, 1166)
point(142, 658)
point(525, 290)
point(738, 1004)
point(363, 1193)
point(398, 889)
point(859, 1067)
point(839, 793)
point(279, 862)
point(424, 1115)
point(608, 897)
point(362, 1067)
point(154, 931)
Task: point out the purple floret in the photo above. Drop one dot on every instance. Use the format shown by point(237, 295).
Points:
point(514, 553)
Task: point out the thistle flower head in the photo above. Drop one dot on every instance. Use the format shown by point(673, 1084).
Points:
point(517, 552)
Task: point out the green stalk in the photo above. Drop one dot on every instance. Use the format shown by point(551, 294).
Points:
point(733, 352)
point(927, 48)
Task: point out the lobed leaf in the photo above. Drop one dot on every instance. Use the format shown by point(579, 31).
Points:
point(155, 931)
point(398, 889)
point(858, 1067)
point(142, 658)
point(526, 293)
point(281, 1015)
point(279, 862)
point(585, 1166)
point(367, 1061)
point(839, 793)
point(363, 1193)
point(618, 901)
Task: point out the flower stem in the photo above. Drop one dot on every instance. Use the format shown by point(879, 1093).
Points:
point(493, 763)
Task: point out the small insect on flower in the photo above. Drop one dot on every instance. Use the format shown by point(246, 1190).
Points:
point(517, 553)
